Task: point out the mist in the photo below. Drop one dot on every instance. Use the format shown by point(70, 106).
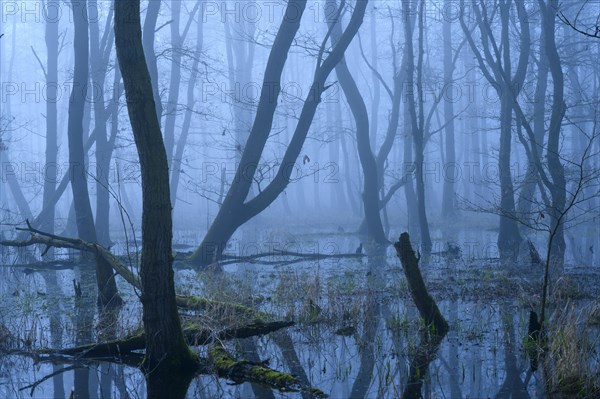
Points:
point(231, 178)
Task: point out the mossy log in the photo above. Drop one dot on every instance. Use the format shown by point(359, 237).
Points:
point(194, 334)
point(427, 307)
point(239, 371)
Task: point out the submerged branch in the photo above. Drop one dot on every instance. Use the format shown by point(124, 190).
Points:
point(101, 253)
point(195, 335)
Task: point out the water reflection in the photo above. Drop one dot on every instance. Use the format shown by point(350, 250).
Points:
point(382, 356)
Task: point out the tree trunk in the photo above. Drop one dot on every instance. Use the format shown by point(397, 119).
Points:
point(148, 42)
point(50, 173)
point(408, 174)
point(357, 105)
point(235, 211)
point(555, 166)
point(416, 111)
point(175, 70)
point(448, 198)
point(99, 57)
point(168, 360)
point(187, 119)
point(107, 287)
point(509, 237)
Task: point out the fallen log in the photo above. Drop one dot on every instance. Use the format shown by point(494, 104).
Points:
point(240, 371)
point(427, 307)
point(194, 334)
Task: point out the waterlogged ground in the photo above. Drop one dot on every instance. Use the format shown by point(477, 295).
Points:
point(356, 327)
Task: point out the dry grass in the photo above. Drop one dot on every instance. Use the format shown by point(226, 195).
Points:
point(571, 363)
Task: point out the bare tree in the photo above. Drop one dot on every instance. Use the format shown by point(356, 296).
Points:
point(235, 210)
point(107, 287)
point(168, 360)
point(496, 64)
point(370, 193)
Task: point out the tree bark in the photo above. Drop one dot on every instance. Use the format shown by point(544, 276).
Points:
point(427, 307)
point(168, 358)
point(149, 34)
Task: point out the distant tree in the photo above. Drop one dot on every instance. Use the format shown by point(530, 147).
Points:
point(496, 63)
point(583, 27)
point(417, 114)
point(178, 37)
point(107, 287)
point(52, 50)
point(176, 164)
point(370, 195)
point(100, 51)
point(236, 209)
point(449, 196)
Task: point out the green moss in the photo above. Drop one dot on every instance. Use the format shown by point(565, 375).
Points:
point(273, 377)
point(242, 370)
point(196, 302)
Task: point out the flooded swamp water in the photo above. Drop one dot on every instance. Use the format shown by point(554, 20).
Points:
point(356, 331)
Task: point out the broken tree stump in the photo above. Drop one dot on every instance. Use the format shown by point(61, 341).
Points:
point(427, 307)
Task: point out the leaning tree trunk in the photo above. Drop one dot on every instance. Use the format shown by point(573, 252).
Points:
point(107, 287)
point(361, 119)
point(235, 211)
point(168, 358)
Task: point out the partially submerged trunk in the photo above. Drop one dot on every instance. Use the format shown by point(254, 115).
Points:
point(168, 358)
point(416, 110)
point(427, 307)
point(107, 287)
point(51, 37)
point(436, 324)
point(235, 210)
point(370, 195)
